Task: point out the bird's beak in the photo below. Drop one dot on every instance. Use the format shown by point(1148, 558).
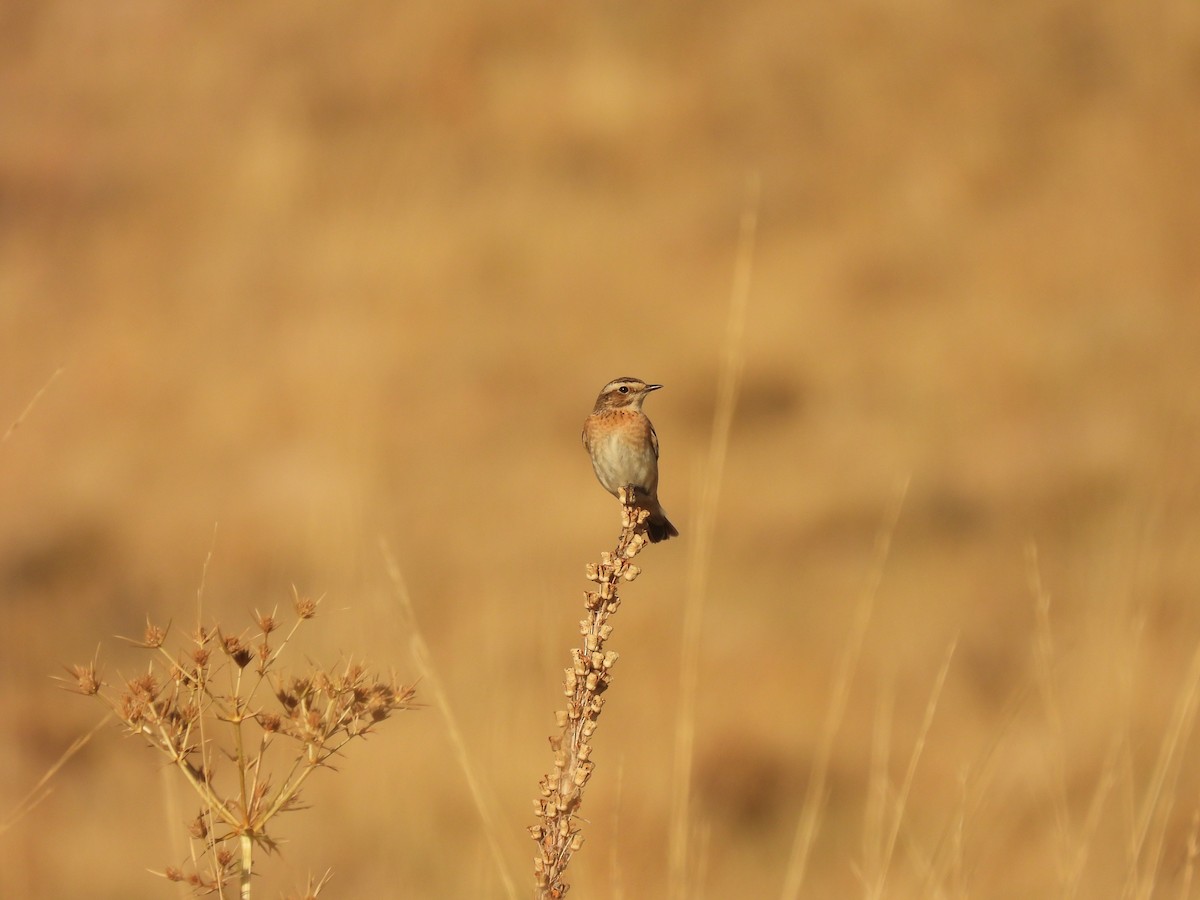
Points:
point(653, 387)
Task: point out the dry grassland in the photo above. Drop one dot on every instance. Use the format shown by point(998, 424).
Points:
point(324, 274)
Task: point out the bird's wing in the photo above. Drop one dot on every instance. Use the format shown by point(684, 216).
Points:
point(653, 440)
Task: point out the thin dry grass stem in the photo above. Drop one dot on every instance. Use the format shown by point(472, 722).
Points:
point(728, 382)
point(1091, 821)
point(946, 863)
point(1044, 678)
point(196, 705)
point(878, 784)
point(1193, 850)
point(16, 423)
point(876, 889)
point(558, 834)
point(313, 887)
point(486, 807)
point(1072, 849)
point(814, 798)
point(40, 791)
point(1147, 839)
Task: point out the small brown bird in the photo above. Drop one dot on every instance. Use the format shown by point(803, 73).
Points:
point(624, 448)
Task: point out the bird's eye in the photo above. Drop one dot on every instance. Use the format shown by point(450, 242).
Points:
point(624, 389)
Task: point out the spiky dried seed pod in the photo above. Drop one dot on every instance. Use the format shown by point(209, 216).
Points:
point(198, 827)
point(87, 680)
point(237, 651)
point(266, 621)
point(153, 636)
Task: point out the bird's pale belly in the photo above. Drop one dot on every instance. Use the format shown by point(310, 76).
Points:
point(619, 462)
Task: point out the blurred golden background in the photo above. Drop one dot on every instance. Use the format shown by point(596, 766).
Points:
point(320, 275)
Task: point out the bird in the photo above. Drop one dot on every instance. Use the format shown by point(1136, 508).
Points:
point(624, 449)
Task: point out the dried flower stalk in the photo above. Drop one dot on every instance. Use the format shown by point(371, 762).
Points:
point(558, 833)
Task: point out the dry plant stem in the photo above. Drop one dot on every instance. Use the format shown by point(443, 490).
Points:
point(814, 798)
point(432, 680)
point(1147, 839)
point(732, 363)
point(1044, 657)
point(29, 407)
point(877, 887)
point(40, 791)
point(558, 834)
point(247, 843)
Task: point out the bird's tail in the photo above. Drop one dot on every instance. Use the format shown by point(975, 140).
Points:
point(659, 527)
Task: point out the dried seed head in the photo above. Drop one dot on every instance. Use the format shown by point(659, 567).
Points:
point(198, 827)
point(237, 651)
point(144, 687)
point(87, 680)
point(266, 621)
point(305, 607)
point(154, 635)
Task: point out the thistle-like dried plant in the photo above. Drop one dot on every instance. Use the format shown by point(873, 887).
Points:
point(216, 708)
point(558, 833)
